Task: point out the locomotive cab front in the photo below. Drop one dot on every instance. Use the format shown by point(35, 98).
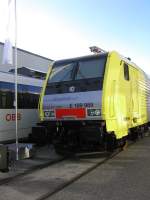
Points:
point(73, 99)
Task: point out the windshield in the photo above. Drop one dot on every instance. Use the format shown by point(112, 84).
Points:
point(90, 69)
point(78, 69)
point(61, 73)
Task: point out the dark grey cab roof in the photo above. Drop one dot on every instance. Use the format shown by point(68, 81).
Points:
point(77, 59)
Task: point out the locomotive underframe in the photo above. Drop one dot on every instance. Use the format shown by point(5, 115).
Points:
point(81, 136)
point(71, 137)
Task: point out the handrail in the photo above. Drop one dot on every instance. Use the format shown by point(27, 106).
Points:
point(40, 104)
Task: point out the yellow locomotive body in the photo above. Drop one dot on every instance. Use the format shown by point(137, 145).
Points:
point(104, 114)
point(124, 100)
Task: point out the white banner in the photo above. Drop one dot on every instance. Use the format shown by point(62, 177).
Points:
point(10, 34)
point(8, 52)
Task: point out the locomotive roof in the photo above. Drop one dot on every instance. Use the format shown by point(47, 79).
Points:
point(131, 63)
point(82, 58)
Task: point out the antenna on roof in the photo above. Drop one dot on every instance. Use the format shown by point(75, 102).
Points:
point(129, 58)
point(96, 50)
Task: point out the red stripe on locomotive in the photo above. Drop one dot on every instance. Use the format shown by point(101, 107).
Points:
point(70, 112)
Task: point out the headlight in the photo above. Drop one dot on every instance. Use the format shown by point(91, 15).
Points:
point(93, 112)
point(49, 113)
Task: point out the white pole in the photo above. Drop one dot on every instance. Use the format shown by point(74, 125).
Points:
point(16, 92)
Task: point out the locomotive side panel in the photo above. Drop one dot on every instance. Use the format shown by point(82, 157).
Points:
point(142, 94)
point(116, 97)
point(147, 87)
point(134, 74)
point(124, 96)
point(148, 102)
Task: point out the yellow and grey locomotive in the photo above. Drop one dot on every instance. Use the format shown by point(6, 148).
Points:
point(95, 102)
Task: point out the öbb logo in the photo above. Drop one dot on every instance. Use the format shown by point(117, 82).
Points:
point(12, 117)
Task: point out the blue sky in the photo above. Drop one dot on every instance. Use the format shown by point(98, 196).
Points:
point(66, 28)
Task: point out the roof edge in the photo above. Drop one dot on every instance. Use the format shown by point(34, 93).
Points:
point(34, 54)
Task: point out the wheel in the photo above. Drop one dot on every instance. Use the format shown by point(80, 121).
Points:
point(111, 142)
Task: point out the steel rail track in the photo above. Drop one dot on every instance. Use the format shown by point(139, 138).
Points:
point(31, 170)
point(85, 166)
point(64, 185)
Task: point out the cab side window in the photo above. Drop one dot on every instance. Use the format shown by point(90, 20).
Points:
point(126, 72)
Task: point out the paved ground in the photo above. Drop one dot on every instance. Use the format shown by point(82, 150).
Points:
point(125, 177)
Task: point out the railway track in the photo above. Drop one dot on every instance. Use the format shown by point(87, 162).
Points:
point(43, 183)
point(73, 179)
point(97, 164)
point(30, 170)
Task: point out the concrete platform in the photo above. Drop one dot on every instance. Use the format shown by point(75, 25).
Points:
point(43, 156)
point(125, 177)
